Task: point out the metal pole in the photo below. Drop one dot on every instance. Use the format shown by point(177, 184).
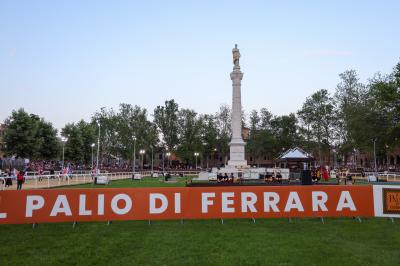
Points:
point(92, 157)
point(62, 168)
point(98, 152)
point(134, 155)
point(152, 160)
point(376, 169)
point(196, 162)
point(163, 159)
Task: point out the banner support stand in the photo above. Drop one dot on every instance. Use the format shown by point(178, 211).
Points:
point(254, 220)
point(74, 224)
point(109, 222)
point(322, 220)
point(359, 219)
point(34, 225)
point(222, 221)
point(290, 220)
point(181, 221)
point(149, 222)
point(392, 219)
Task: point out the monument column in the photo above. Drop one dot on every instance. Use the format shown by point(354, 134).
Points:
point(237, 152)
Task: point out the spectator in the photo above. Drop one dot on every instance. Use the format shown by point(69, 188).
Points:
point(231, 178)
point(325, 175)
point(278, 177)
point(20, 180)
point(225, 177)
point(9, 179)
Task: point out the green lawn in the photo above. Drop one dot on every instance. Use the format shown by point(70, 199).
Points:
point(203, 242)
point(145, 182)
point(236, 242)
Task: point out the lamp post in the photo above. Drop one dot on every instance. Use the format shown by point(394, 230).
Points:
point(163, 159)
point(64, 140)
point(387, 157)
point(168, 155)
point(215, 152)
point(334, 158)
point(98, 151)
point(116, 146)
point(196, 154)
point(142, 152)
point(376, 169)
point(92, 153)
point(134, 154)
point(152, 160)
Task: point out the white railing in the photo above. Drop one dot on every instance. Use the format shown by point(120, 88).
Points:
point(389, 176)
point(56, 180)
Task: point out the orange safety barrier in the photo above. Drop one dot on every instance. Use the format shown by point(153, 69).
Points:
point(63, 205)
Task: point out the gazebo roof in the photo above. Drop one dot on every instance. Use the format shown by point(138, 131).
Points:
point(295, 154)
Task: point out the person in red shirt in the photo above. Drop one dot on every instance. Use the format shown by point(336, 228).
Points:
point(325, 174)
point(20, 180)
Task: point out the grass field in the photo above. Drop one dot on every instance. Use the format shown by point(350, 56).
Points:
point(197, 242)
point(145, 182)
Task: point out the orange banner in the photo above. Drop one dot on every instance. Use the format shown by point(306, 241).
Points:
point(62, 205)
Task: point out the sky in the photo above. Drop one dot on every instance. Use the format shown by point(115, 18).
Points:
point(64, 60)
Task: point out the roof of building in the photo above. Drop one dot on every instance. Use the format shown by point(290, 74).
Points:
point(295, 153)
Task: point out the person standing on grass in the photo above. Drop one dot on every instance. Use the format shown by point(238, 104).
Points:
point(325, 175)
point(20, 180)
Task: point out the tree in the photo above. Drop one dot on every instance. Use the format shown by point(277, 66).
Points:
point(265, 118)
point(285, 130)
point(166, 119)
point(28, 136)
point(89, 137)
point(384, 107)
point(349, 97)
point(223, 124)
point(74, 148)
point(209, 133)
point(254, 120)
point(254, 146)
point(189, 132)
point(49, 147)
point(317, 114)
point(119, 128)
point(107, 119)
point(133, 121)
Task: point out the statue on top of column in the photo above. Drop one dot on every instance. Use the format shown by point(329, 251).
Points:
point(236, 56)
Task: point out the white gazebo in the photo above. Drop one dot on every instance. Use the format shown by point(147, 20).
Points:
point(295, 158)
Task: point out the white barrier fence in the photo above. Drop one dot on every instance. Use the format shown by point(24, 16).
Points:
point(387, 176)
point(55, 180)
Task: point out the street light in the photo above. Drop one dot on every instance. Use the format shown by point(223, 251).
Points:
point(152, 160)
point(196, 154)
point(142, 152)
point(168, 155)
point(334, 158)
point(354, 158)
point(98, 151)
point(64, 140)
point(376, 169)
point(387, 157)
point(134, 154)
point(116, 146)
point(92, 153)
